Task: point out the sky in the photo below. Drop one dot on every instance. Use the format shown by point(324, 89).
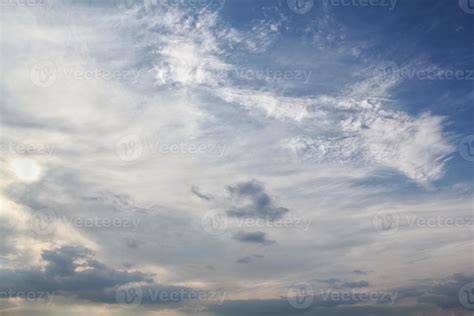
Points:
point(231, 157)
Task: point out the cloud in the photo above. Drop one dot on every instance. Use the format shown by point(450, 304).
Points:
point(356, 284)
point(200, 195)
point(248, 259)
point(69, 271)
point(256, 203)
point(253, 237)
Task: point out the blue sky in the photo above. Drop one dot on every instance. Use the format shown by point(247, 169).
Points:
point(226, 157)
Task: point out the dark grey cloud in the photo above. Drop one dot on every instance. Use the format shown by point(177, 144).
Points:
point(61, 274)
point(253, 237)
point(253, 202)
point(360, 272)
point(132, 243)
point(428, 297)
point(281, 307)
point(248, 259)
point(355, 284)
point(344, 284)
point(199, 194)
point(72, 272)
